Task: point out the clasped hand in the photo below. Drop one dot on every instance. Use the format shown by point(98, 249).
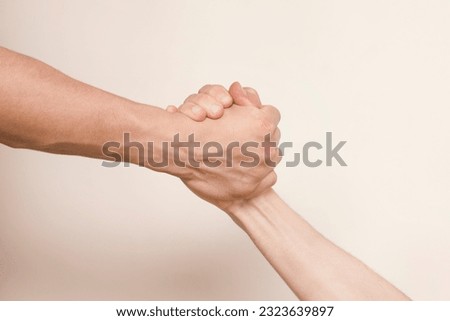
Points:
point(236, 119)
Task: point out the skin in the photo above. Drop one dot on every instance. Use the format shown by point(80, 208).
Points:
point(311, 265)
point(45, 110)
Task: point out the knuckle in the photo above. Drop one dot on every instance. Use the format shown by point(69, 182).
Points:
point(205, 88)
point(273, 110)
point(218, 91)
point(186, 105)
point(190, 98)
point(219, 88)
point(202, 97)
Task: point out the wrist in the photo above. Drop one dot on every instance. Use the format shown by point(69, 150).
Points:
point(266, 214)
point(246, 212)
point(156, 129)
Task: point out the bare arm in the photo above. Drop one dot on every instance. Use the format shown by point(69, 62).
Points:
point(312, 266)
point(43, 109)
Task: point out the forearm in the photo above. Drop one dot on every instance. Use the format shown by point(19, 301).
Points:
point(43, 109)
point(313, 267)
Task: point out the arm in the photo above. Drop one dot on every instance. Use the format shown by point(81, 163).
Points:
point(43, 109)
point(312, 266)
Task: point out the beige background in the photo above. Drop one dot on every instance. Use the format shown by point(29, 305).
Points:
point(375, 73)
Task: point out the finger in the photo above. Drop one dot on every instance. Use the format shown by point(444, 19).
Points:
point(193, 111)
point(278, 156)
point(272, 113)
point(219, 93)
point(273, 157)
point(276, 136)
point(267, 182)
point(172, 109)
point(239, 95)
point(253, 96)
point(209, 104)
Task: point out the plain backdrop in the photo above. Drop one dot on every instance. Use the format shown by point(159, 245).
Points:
point(375, 73)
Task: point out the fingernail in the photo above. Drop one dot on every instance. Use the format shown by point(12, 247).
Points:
point(225, 99)
point(215, 109)
point(197, 110)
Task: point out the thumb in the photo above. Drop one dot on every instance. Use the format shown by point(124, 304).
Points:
point(253, 96)
point(241, 96)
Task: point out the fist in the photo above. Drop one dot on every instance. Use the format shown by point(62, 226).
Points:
point(247, 126)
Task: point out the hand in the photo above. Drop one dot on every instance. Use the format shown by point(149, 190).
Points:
point(227, 184)
point(210, 102)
